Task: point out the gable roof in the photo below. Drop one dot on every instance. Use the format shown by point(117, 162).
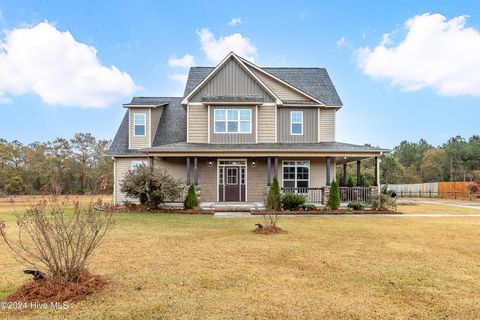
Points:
point(146, 102)
point(230, 57)
point(172, 127)
point(314, 82)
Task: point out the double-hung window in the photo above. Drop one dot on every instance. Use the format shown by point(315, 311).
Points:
point(233, 121)
point(296, 175)
point(296, 123)
point(139, 121)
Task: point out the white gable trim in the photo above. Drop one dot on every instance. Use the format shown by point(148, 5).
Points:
point(282, 82)
point(218, 67)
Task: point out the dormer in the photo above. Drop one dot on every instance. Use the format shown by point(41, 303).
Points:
point(143, 119)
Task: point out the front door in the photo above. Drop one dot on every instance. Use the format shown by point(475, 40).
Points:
point(232, 183)
point(232, 180)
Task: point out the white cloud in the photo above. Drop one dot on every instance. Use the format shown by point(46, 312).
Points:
point(436, 53)
point(180, 77)
point(186, 61)
point(235, 21)
point(62, 71)
point(343, 42)
point(217, 49)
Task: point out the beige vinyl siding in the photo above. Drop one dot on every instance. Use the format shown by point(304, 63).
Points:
point(231, 80)
point(232, 137)
point(327, 125)
point(122, 165)
point(310, 127)
point(318, 170)
point(257, 179)
point(175, 167)
point(142, 141)
point(197, 124)
point(156, 115)
point(282, 91)
point(207, 179)
point(266, 124)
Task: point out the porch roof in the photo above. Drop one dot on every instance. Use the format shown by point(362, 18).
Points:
point(318, 148)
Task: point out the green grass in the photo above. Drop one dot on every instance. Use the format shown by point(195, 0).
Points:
point(186, 266)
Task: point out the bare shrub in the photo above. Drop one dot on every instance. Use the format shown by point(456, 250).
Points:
point(58, 242)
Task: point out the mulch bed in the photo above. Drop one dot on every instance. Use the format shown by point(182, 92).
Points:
point(269, 230)
point(321, 211)
point(46, 291)
point(142, 209)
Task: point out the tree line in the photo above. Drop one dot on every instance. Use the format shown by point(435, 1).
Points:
point(62, 166)
point(458, 159)
point(79, 165)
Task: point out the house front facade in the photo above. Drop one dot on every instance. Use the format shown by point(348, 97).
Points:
point(237, 126)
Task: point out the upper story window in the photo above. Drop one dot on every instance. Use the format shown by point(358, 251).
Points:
point(296, 122)
point(233, 121)
point(139, 123)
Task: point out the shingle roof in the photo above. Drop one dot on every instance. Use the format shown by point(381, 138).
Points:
point(171, 129)
point(317, 146)
point(313, 81)
point(147, 101)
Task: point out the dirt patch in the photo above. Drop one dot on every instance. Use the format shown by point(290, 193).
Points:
point(322, 211)
point(269, 230)
point(46, 291)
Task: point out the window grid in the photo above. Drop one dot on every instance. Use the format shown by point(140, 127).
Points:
point(139, 120)
point(296, 174)
point(296, 122)
point(137, 163)
point(233, 121)
point(232, 176)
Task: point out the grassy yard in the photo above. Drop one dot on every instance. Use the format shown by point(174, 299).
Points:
point(183, 267)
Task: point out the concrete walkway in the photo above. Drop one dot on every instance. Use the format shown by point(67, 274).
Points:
point(433, 215)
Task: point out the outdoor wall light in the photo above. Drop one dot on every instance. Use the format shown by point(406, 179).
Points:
point(210, 164)
point(253, 163)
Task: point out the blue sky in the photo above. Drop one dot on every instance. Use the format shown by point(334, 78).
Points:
point(382, 104)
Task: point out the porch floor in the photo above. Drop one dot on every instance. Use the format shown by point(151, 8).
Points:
point(232, 206)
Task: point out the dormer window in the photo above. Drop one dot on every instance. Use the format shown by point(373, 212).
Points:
point(233, 121)
point(139, 123)
point(296, 123)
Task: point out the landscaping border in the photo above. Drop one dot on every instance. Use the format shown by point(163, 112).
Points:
point(320, 211)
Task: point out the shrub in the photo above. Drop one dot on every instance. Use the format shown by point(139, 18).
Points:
point(350, 182)
point(334, 196)
point(56, 241)
point(308, 207)
point(152, 186)
point(191, 200)
point(356, 205)
point(382, 202)
point(292, 201)
point(274, 198)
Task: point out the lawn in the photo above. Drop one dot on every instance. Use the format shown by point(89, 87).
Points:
point(185, 266)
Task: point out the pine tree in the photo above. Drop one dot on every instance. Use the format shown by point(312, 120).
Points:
point(334, 196)
point(274, 201)
point(191, 200)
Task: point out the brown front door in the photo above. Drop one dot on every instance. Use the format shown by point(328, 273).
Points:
point(232, 183)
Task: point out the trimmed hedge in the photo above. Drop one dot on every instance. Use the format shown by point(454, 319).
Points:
point(292, 201)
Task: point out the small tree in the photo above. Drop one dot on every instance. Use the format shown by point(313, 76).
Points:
point(56, 242)
point(191, 200)
point(152, 186)
point(274, 199)
point(334, 196)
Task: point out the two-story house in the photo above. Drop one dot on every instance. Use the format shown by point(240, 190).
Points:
point(236, 127)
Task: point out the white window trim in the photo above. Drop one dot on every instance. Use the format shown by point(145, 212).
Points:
point(135, 163)
point(144, 124)
point(296, 166)
point(226, 121)
point(296, 122)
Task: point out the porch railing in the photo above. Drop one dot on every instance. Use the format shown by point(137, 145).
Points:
point(312, 195)
point(362, 194)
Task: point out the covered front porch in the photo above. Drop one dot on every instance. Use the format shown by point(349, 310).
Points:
point(247, 179)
